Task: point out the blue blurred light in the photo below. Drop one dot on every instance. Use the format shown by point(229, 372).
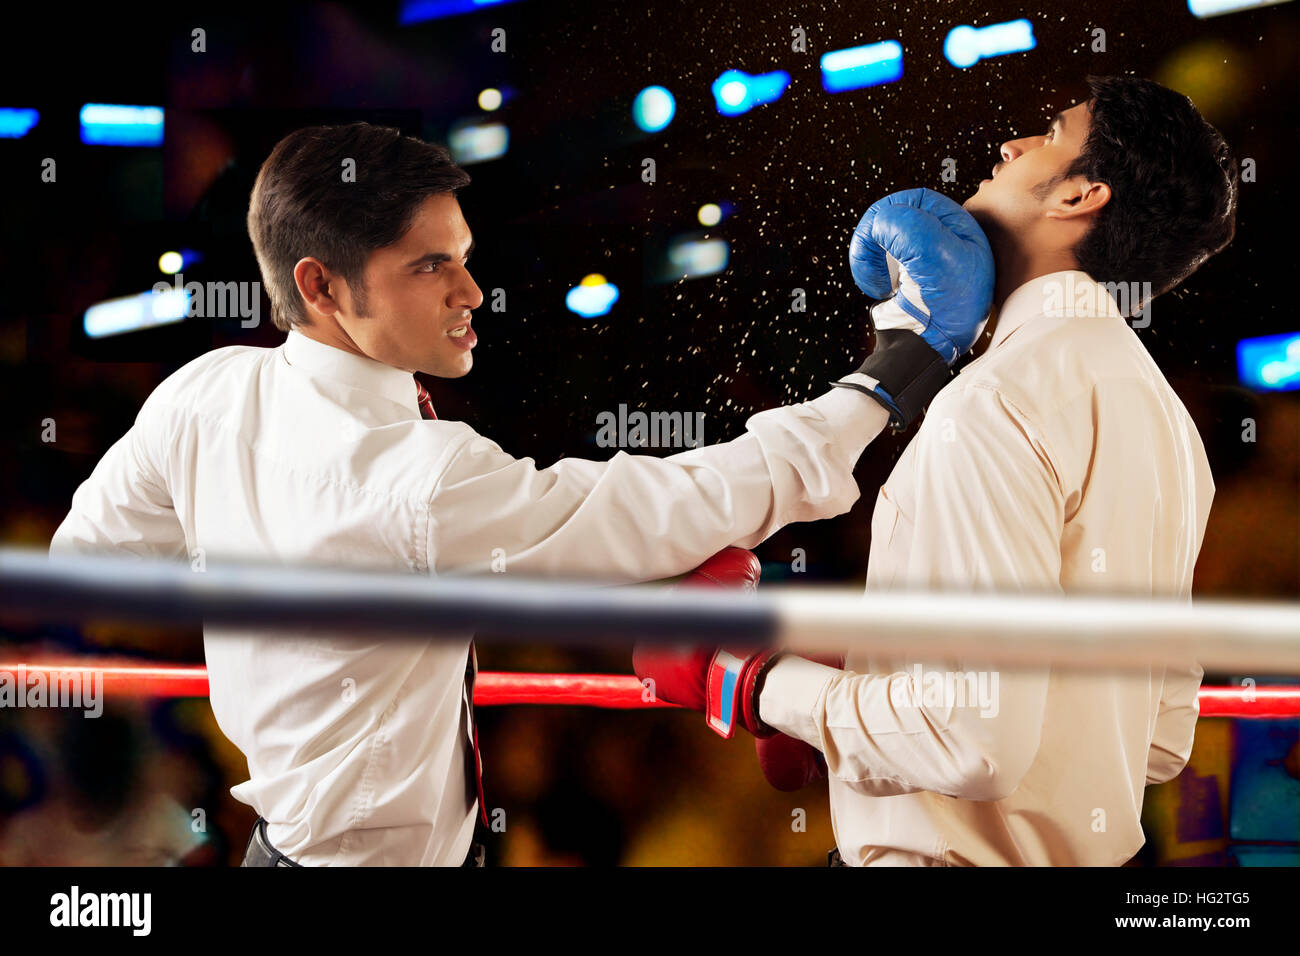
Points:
point(653, 109)
point(592, 297)
point(477, 142)
point(16, 123)
point(735, 92)
point(691, 257)
point(1213, 8)
point(132, 312)
point(105, 125)
point(1270, 363)
point(418, 11)
point(860, 66)
point(966, 46)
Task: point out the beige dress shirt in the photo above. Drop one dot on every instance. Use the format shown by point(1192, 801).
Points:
point(309, 454)
point(1058, 461)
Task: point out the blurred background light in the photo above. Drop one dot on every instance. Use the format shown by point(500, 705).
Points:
point(710, 214)
point(1213, 8)
point(419, 11)
point(691, 257)
point(966, 46)
point(860, 66)
point(16, 123)
point(103, 124)
point(653, 109)
point(490, 99)
point(115, 316)
point(591, 297)
point(172, 261)
point(473, 141)
point(735, 92)
point(1270, 362)
point(1210, 71)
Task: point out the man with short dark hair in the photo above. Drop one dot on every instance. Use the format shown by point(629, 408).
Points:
point(1059, 461)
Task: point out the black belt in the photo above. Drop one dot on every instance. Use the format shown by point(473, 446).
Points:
point(261, 852)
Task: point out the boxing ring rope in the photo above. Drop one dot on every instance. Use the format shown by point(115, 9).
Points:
point(1093, 633)
point(609, 691)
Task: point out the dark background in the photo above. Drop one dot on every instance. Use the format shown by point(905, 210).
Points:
point(567, 200)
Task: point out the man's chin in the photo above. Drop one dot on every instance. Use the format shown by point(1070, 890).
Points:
point(979, 210)
point(457, 368)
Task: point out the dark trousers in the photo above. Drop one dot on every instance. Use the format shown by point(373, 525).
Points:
point(260, 852)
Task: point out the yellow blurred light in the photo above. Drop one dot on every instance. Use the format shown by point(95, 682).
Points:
point(710, 214)
point(1212, 72)
point(490, 99)
point(594, 279)
point(170, 263)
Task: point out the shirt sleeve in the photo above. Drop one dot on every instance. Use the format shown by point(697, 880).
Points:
point(1180, 706)
point(124, 505)
point(989, 514)
point(640, 518)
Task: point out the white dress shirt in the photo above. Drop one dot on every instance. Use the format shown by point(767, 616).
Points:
point(309, 454)
point(1058, 461)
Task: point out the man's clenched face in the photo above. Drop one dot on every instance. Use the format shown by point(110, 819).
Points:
point(418, 296)
point(1023, 188)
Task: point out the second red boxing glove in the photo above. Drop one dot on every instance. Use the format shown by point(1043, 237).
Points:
point(788, 763)
point(722, 685)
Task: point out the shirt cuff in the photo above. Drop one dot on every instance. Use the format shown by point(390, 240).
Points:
point(793, 693)
point(861, 380)
point(853, 416)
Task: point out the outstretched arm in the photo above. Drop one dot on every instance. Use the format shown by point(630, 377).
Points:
point(641, 518)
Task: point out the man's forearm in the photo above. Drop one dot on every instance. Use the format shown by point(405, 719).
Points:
point(880, 734)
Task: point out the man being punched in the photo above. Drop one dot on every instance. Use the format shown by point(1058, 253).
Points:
point(1059, 461)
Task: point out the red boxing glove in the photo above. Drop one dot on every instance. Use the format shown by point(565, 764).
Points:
point(722, 686)
point(729, 568)
point(787, 762)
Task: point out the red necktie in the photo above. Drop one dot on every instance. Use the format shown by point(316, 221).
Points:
point(426, 403)
point(471, 661)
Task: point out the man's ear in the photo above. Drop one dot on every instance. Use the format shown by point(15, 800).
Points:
point(313, 281)
point(1078, 197)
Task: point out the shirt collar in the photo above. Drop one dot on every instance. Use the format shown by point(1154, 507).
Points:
point(1060, 295)
point(325, 361)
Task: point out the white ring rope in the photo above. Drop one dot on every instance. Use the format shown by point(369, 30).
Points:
point(1103, 633)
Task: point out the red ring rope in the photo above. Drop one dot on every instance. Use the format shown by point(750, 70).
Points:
point(617, 691)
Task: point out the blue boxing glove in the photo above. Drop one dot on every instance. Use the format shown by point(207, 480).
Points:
point(929, 262)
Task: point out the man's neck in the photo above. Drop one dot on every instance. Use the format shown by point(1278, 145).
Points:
point(330, 335)
point(1014, 265)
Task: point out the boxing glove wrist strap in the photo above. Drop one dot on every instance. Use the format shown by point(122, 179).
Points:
point(733, 686)
point(903, 374)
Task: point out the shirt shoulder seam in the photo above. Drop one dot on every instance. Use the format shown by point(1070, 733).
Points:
point(1039, 433)
point(422, 500)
